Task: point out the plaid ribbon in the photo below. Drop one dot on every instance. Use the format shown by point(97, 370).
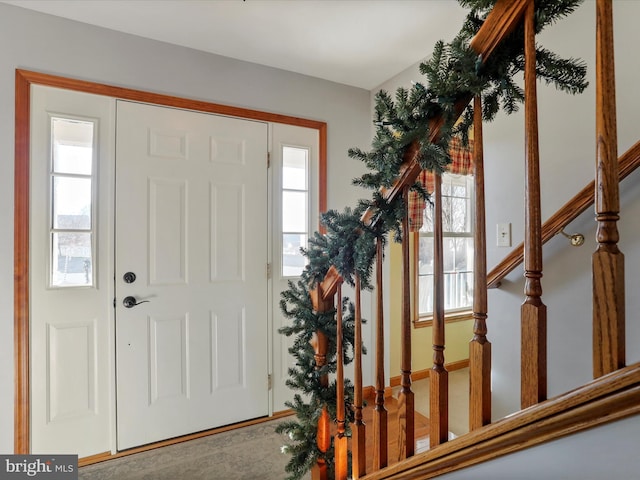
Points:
point(461, 164)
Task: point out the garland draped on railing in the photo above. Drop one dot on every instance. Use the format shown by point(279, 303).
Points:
point(453, 72)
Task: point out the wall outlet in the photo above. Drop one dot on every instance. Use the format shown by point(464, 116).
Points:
point(503, 235)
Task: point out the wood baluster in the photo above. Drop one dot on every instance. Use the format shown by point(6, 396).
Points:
point(359, 459)
point(406, 401)
point(439, 377)
point(340, 438)
point(607, 260)
point(479, 347)
point(533, 311)
point(380, 438)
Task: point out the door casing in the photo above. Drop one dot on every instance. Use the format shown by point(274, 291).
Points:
point(23, 81)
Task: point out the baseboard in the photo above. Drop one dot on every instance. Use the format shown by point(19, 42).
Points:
point(422, 374)
point(369, 392)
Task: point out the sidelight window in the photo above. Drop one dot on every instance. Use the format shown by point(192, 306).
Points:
point(72, 222)
point(295, 209)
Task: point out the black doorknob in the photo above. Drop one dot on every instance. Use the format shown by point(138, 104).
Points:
point(130, 302)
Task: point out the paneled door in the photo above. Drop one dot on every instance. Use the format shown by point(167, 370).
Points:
point(191, 283)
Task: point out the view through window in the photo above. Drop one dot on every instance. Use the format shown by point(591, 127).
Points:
point(71, 202)
point(295, 209)
point(457, 225)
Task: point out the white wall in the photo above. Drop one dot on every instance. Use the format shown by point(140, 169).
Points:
point(567, 151)
point(49, 44)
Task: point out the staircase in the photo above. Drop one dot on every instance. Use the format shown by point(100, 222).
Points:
point(614, 392)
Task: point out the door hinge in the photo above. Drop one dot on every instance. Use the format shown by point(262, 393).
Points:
point(268, 159)
point(268, 270)
point(269, 382)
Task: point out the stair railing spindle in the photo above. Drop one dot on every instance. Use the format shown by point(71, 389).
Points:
point(380, 438)
point(439, 377)
point(359, 459)
point(406, 400)
point(533, 311)
point(479, 347)
point(607, 260)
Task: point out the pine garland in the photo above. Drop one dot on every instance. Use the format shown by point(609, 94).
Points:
point(453, 72)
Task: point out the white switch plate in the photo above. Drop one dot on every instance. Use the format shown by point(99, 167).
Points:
point(503, 234)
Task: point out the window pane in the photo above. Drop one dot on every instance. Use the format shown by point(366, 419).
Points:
point(294, 212)
point(460, 218)
point(72, 146)
point(71, 258)
point(293, 262)
point(458, 290)
point(425, 256)
point(294, 168)
point(427, 220)
point(425, 297)
point(72, 203)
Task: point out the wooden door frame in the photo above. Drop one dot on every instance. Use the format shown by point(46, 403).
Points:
point(23, 81)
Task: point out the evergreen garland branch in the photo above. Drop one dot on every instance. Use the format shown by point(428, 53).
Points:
point(453, 72)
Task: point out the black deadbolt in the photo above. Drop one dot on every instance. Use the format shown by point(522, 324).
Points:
point(129, 277)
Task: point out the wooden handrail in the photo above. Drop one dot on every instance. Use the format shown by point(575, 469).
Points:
point(608, 398)
point(502, 20)
point(628, 162)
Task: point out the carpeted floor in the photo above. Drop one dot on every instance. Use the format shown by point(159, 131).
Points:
point(250, 453)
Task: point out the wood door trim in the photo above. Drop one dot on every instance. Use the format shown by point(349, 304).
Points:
point(23, 81)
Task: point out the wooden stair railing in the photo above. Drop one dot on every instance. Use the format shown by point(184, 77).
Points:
point(627, 163)
point(608, 275)
point(502, 20)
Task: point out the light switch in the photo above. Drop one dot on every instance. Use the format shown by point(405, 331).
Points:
point(503, 233)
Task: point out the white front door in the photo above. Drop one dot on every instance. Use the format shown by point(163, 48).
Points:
point(191, 251)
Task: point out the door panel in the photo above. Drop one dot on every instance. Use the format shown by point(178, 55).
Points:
point(191, 223)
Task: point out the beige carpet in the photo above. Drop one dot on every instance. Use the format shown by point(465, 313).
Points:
point(458, 400)
point(249, 453)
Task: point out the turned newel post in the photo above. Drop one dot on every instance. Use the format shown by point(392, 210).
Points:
point(340, 439)
point(607, 261)
point(323, 439)
point(320, 343)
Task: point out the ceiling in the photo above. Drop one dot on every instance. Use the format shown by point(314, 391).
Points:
point(355, 42)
